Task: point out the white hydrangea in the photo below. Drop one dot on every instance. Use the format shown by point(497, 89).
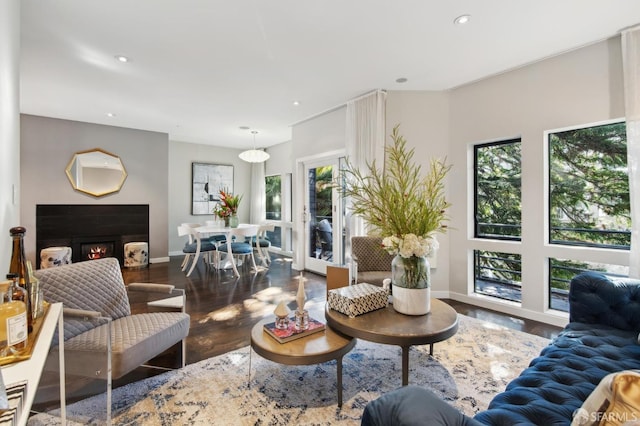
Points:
point(410, 245)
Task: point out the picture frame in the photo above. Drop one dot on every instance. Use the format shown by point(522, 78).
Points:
point(206, 182)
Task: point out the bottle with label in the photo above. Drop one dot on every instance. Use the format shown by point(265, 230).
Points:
point(13, 322)
point(18, 266)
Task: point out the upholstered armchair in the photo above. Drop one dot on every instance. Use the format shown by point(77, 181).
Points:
point(103, 339)
point(370, 262)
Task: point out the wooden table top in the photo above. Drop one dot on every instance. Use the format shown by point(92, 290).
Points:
point(315, 348)
point(390, 327)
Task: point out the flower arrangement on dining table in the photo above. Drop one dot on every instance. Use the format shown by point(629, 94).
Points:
point(228, 205)
point(402, 206)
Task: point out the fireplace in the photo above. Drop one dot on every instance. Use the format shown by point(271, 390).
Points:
point(92, 231)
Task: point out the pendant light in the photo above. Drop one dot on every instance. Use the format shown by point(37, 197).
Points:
point(254, 155)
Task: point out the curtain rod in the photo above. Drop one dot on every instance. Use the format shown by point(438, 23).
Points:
point(337, 107)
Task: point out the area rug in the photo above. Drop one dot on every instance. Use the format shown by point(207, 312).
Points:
point(467, 370)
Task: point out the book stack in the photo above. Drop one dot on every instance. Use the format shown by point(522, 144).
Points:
point(290, 333)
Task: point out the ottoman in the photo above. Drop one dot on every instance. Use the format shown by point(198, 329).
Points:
point(136, 254)
point(54, 256)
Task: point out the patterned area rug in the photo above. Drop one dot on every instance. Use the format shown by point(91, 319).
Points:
point(467, 370)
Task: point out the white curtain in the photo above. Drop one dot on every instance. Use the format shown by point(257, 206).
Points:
point(631, 67)
point(257, 212)
point(365, 141)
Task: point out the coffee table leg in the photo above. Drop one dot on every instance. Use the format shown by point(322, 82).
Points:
point(339, 371)
point(431, 349)
point(405, 365)
point(249, 379)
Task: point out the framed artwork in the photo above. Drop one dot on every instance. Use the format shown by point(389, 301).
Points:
point(206, 182)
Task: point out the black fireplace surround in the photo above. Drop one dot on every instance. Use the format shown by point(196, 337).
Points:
point(81, 226)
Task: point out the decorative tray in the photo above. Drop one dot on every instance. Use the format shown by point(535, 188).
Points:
point(31, 341)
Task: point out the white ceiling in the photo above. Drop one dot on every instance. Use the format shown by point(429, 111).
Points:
point(201, 69)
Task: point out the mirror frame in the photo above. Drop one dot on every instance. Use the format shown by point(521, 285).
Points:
point(95, 193)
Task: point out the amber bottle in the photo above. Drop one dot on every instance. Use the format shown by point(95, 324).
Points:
point(18, 266)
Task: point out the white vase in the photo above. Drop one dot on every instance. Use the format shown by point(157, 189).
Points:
point(411, 301)
point(411, 282)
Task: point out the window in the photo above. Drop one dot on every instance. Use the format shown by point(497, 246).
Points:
point(561, 271)
point(589, 187)
point(273, 188)
point(498, 190)
point(498, 274)
point(278, 195)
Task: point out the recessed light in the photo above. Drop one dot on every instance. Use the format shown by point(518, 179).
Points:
point(296, 103)
point(401, 80)
point(462, 19)
point(244, 127)
point(110, 114)
point(123, 58)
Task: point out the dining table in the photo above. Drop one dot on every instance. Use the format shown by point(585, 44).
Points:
point(214, 228)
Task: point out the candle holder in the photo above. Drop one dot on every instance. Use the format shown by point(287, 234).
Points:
point(282, 316)
point(302, 320)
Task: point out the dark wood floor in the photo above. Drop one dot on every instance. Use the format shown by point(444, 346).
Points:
point(223, 310)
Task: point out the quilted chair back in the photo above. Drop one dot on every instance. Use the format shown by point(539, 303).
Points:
point(94, 285)
point(370, 255)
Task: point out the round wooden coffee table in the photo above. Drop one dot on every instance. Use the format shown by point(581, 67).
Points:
point(315, 348)
point(392, 328)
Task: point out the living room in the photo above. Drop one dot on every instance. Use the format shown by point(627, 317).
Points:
point(577, 87)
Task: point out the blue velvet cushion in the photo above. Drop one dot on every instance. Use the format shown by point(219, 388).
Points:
point(204, 246)
point(237, 248)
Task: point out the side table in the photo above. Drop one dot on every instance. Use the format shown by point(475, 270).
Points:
point(315, 348)
point(31, 369)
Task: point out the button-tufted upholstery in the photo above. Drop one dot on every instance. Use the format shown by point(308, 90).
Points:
point(601, 338)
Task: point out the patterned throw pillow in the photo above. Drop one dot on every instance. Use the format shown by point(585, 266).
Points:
point(615, 401)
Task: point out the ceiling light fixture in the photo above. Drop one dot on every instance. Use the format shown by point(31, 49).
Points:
point(402, 80)
point(462, 19)
point(254, 155)
point(296, 103)
point(122, 58)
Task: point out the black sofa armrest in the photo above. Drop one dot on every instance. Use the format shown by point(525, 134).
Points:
point(597, 299)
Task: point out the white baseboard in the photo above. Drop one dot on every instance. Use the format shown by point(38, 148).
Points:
point(557, 318)
point(159, 260)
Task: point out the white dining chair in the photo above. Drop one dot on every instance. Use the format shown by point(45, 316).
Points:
point(238, 247)
point(261, 243)
point(196, 248)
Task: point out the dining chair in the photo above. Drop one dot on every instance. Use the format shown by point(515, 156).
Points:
point(261, 243)
point(196, 246)
point(238, 247)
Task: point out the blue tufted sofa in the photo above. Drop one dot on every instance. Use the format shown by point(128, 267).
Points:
point(601, 338)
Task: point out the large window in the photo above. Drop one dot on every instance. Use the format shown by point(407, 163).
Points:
point(498, 190)
point(279, 207)
point(589, 187)
point(498, 274)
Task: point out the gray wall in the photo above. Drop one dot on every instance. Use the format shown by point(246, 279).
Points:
point(48, 145)
point(9, 126)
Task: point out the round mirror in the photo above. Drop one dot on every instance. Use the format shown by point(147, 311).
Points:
point(96, 172)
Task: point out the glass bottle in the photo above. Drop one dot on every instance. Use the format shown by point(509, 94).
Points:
point(35, 297)
point(13, 322)
point(18, 266)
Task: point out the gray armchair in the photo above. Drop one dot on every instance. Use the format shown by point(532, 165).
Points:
point(371, 263)
point(102, 338)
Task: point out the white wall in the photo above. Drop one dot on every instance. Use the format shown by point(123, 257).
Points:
point(9, 125)
point(578, 87)
point(281, 160)
point(314, 137)
point(47, 146)
point(181, 155)
point(424, 122)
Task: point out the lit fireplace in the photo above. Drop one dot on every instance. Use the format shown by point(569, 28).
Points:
point(97, 250)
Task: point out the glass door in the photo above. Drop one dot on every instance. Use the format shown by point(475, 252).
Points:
point(323, 216)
